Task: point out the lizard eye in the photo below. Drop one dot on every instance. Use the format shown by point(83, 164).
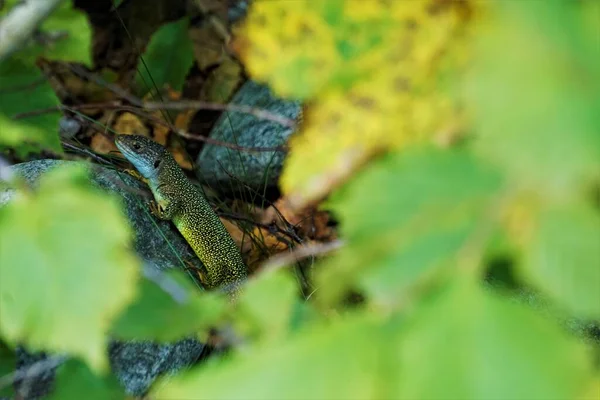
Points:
point(136, 146)
point(156, 163)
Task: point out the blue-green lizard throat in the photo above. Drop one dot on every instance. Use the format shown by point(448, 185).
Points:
point(178, 200)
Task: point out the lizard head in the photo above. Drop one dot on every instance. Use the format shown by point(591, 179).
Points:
point(145, 154)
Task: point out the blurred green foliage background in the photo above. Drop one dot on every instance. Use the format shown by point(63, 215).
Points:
point(425, 228)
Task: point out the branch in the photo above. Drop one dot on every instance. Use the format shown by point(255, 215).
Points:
point(32, 370)
point(20, 24)
point(283, 259)
point(98, 80)
point(140, 112)
point(272, 228)
point(181, 104)
point(217, 24)
point(203, 105)
point(166, 283)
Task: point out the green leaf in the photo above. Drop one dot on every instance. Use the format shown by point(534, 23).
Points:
point(563, 257)
point(23, 87)
point(67, 32)
point(66, 267)
point(8, 365)
point(167, 59)
point(332, 361)
point(537, 107)
point(462, 342)
point(77, 45)
point(467, 343)
point(303, 48)
point(170, 312)
point(74, 380)
point(258, 314)
point(404, 218)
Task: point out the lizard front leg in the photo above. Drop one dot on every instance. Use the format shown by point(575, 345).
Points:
point(165, 206)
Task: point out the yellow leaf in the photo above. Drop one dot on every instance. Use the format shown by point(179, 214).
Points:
point(373, 71)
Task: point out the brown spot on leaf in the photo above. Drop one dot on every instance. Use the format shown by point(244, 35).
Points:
point(401, 84)
point(366, 103)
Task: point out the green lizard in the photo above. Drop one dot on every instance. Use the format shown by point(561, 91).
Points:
point(178, 200)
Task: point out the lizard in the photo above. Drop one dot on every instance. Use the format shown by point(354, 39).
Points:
point(179, 200)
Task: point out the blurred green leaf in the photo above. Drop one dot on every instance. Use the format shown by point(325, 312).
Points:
point(563, 257)
point(8, 365)
point(257, 313)
point(76, 45)
point(62, 247)
point(404, 217)
point(167, 59)
point(74, 380)
point(23, 87)
point(66, 32)
point(537, 105)
point(467, 343)
point(332, 361)
point(592, 391)
point(169, 313)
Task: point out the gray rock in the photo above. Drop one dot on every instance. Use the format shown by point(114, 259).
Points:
point(68, 127)
point(217, 164)
point(141, 362)
point(136, 364)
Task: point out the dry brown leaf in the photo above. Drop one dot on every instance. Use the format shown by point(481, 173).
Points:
point(161, 134)
point(161, 131)
point(239, 236)
point(256, 246)
point(183, 119)
point(173, 94)
point(130, 124)
point(209, 49)
point(181, 156)
point(222, 81)
point(264, 244)
point(67, 84)
point(308, 222)
point(101, 144)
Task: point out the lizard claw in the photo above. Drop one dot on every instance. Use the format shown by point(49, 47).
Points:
point(136, 175)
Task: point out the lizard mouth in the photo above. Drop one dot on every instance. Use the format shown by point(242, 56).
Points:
point(123, 148)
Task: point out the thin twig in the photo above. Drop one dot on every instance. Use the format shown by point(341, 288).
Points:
point(87, 152)
point(19, 25)
point(217, 24)
point(272, 228)
point(200, 138)
point(32, 370)
point(138, 111)
point(182, 104)
point(6, 174)
point(18, 88)
point(203, 105)
point(169, 285)
point(117, 90)
point(283, 259)
point(291, 227)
